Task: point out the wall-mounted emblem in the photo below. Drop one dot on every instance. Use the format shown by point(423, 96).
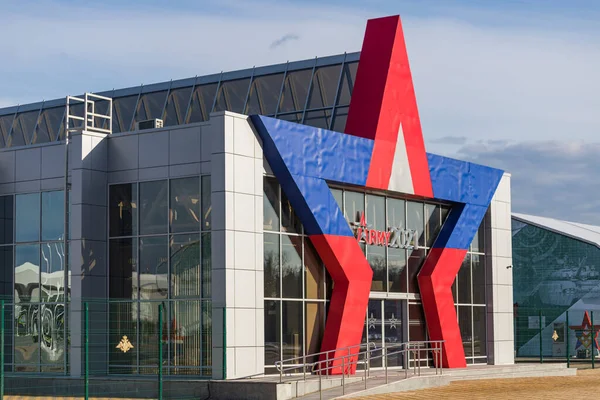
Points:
point(124, 345)
point(395, 237)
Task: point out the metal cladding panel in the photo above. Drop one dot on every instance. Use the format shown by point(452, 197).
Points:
point(435, 282)
point(460, 227)
point(318, 153)
point(461, 181)
point(384, 106)
point(316, 207)
point(352, 274)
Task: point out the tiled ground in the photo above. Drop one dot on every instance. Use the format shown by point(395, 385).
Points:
point(586, 385)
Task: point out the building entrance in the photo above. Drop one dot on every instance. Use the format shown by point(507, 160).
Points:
point(385, 325)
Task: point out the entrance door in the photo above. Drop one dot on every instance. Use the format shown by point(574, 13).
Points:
point(384, 327)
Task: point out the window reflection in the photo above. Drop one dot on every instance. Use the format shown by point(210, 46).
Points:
point(271, 204)
point(295, 90)
point(27, 273)
point(153, 268)
point(291, 266)
point(153, 207)
point(184, 213)
point(396, 270)
point(186, 279)
point(376, 212)
point(6, 219)
point(123, 269)
point(293, 332)
point(150, 106)
point(52, 274)
point(264, 94)
point(396, 213)
point(232, 95)
point(272, 332)
point(27, 210)
point(354, 206)
point(206, 202)
point(177, 105)
point(271, 267)
point(315, 273)
point(289, 220)
point(324, 85)
point(53, 206)
point(479, 331)
point(123, 210)
point(466, 330)
point(433, 223)
point(464, 281)
point(347, 85)
point(202, 103)
point(414, 220)
point(376, 259)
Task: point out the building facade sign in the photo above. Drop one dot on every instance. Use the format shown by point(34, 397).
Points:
point(396, 237)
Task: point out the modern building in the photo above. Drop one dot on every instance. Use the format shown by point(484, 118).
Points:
point(319, 223)
point(557, 279)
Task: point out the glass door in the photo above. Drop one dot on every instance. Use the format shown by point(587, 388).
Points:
point(393, 313)
point(384, 325)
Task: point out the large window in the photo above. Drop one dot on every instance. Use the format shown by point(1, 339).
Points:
point(39, 280)
point(296, 285)
point(160, 257)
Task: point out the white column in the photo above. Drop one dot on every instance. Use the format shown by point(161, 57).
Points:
point(500, 332)
point(237, 246)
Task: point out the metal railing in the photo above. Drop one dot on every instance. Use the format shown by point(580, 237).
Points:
point(350, 361)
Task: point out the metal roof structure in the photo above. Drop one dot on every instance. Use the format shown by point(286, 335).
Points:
point(583, 232)
point(314, 92)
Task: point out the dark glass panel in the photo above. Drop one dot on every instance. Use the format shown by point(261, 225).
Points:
point(264, 94)
point(292, 326)
point(123, 109)
point(52, 276)
point(27, 273)
point(48, 125)
point(23, 128)
point(454, 289)
point(293, 117)
point(53, 213)
point(396, 213)
point(271, 266)
point(202, 103)
point(324, 85)
point(445, 210)
point(177, 105)
point(123, 209)
point(415, 262)
point(415, 220)
point(318, 119)
point(396, 270)
point(375, 214)
point(315, 326)
point(184, 212)
point(376, 259)
point(206, 192)
point(206, 266)
point(339, 119)
point(479, 331)
point(464, 323)
point(6, 272)
point(289, 220)
point(347, 85)
point(314, 273)
point(271, 204)
point(291, 266)
point(464, 281)
point(338, 195)
point(295, 90)
point(186, 278)
point(354, 206)
point(477, 245)
point(153, 207)
point(6, 122)
point(393, 310)
point(478, 274)
point(232, 95)
point(154, 265)
point(123, 257)
point(150, 106)
point(416, 323)
point(6, 219)
point(433, 223)
point(374, 329)
point(123, 322)
point(272, 331)
point(101, 107)
point(27, 215)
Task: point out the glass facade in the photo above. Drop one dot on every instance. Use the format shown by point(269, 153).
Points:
point(33, 280)
point(294, 295)
point(160, 256)
point(313, 92)
point(297, 286)
point(552, 273)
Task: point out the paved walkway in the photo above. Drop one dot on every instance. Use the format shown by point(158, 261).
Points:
point(586, 385)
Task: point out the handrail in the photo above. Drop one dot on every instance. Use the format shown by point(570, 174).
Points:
point(365, 357)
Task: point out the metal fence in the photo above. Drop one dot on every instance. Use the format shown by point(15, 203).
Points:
point(557, 335)
point(122, 349)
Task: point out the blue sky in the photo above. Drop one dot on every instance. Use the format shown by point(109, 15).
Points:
point(494, 78)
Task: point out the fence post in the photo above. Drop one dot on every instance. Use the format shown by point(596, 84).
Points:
point(567, 341)
point(593, 342)
point(2, 349)
point(541, 348)
point(160, 352)
point(86, 350)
